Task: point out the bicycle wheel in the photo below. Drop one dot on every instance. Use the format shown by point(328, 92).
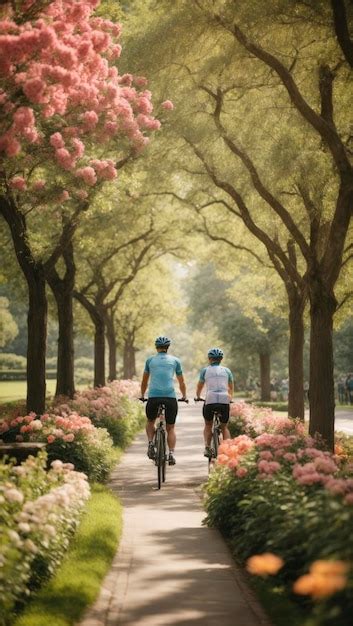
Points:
point(215, 442)
point(160, 457)
point(164, 465)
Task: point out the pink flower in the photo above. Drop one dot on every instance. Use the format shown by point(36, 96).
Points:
point(268, 467)
point(70, 437)
point(140, 81)
point(64, 196)
point(267, 455)
point(88, 174)
point(50, 439)
point(90, 119)
point(56, 140)
point(12, 147)
point(64, 158)
point(241, 472)
point(38, 185)
point(33, 89)
point(167, 105)
point(18, 182)
point(23, 118)
point(290, 456)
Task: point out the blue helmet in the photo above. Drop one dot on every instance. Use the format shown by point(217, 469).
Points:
point(215, 353)
point(162, 342)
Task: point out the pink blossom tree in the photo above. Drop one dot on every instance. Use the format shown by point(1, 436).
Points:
point(63, 105)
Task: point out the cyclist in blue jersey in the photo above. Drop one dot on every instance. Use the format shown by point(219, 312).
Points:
point(159, 377)
point(219, 383)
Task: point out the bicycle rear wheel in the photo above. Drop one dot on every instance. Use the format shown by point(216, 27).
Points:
point(160, 458)
point(215, 443)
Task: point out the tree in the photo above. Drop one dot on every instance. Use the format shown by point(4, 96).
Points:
point(61, 97)
point(288, 178)
point(149, 303)
point(243, 329)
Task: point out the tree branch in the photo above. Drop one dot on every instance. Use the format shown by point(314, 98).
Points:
point(342, 30)
point(327, 131)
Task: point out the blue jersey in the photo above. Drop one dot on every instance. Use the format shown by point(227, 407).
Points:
point(161, 367)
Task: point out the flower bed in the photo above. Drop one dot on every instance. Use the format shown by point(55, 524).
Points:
point(113, 407)
point(39, 512)
point(70, 438)
point(275, 490)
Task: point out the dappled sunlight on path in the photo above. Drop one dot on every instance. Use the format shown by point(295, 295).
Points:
point(170, 569)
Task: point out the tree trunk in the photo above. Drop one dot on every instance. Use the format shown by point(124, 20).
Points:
point(295, 357)
point(37, 305)
point(36, 347)
point(265, 377)
point(62, 289)
point(65, 382)
point(111, 339)
point(321, 386)
point(98, 318)
point(129, 359)
point(99, 352)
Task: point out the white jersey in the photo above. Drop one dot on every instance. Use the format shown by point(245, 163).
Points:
point(217, 378)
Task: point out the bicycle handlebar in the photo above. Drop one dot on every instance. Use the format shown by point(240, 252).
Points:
point(203, 400)
point(179, 400)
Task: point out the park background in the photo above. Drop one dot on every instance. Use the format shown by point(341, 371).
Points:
point(189, 175)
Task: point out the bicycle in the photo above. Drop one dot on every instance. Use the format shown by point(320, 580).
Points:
point(216, 435)
point(160, 442)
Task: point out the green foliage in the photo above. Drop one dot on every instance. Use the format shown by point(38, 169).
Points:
point(343, 347)
point(9, 361)
point(8, 326)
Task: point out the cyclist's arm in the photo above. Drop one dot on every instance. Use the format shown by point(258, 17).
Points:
point(182, 385)
point(144, 383)
point(230, 384)
point(199, 388)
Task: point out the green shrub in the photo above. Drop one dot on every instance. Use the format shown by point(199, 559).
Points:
point(9, 361)
point(85, 363)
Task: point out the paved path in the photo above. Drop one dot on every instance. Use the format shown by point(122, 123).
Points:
point(171, 570)
point(344, 420)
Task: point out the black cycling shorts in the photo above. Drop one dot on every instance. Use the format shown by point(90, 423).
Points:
point(222, 409)
point(171, 409)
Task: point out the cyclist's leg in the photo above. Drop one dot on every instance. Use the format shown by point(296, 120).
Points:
point(224, 412)
point(151, 414)
point(171, 411)
point(208, 417)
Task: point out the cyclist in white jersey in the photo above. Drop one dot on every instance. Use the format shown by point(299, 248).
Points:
point(219, 383)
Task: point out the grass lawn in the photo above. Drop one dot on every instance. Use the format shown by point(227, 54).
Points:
point(76, 584)
point(17, 389)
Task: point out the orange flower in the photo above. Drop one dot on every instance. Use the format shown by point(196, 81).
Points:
point(324, 579)
point(327, 568)
point(264, 564)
